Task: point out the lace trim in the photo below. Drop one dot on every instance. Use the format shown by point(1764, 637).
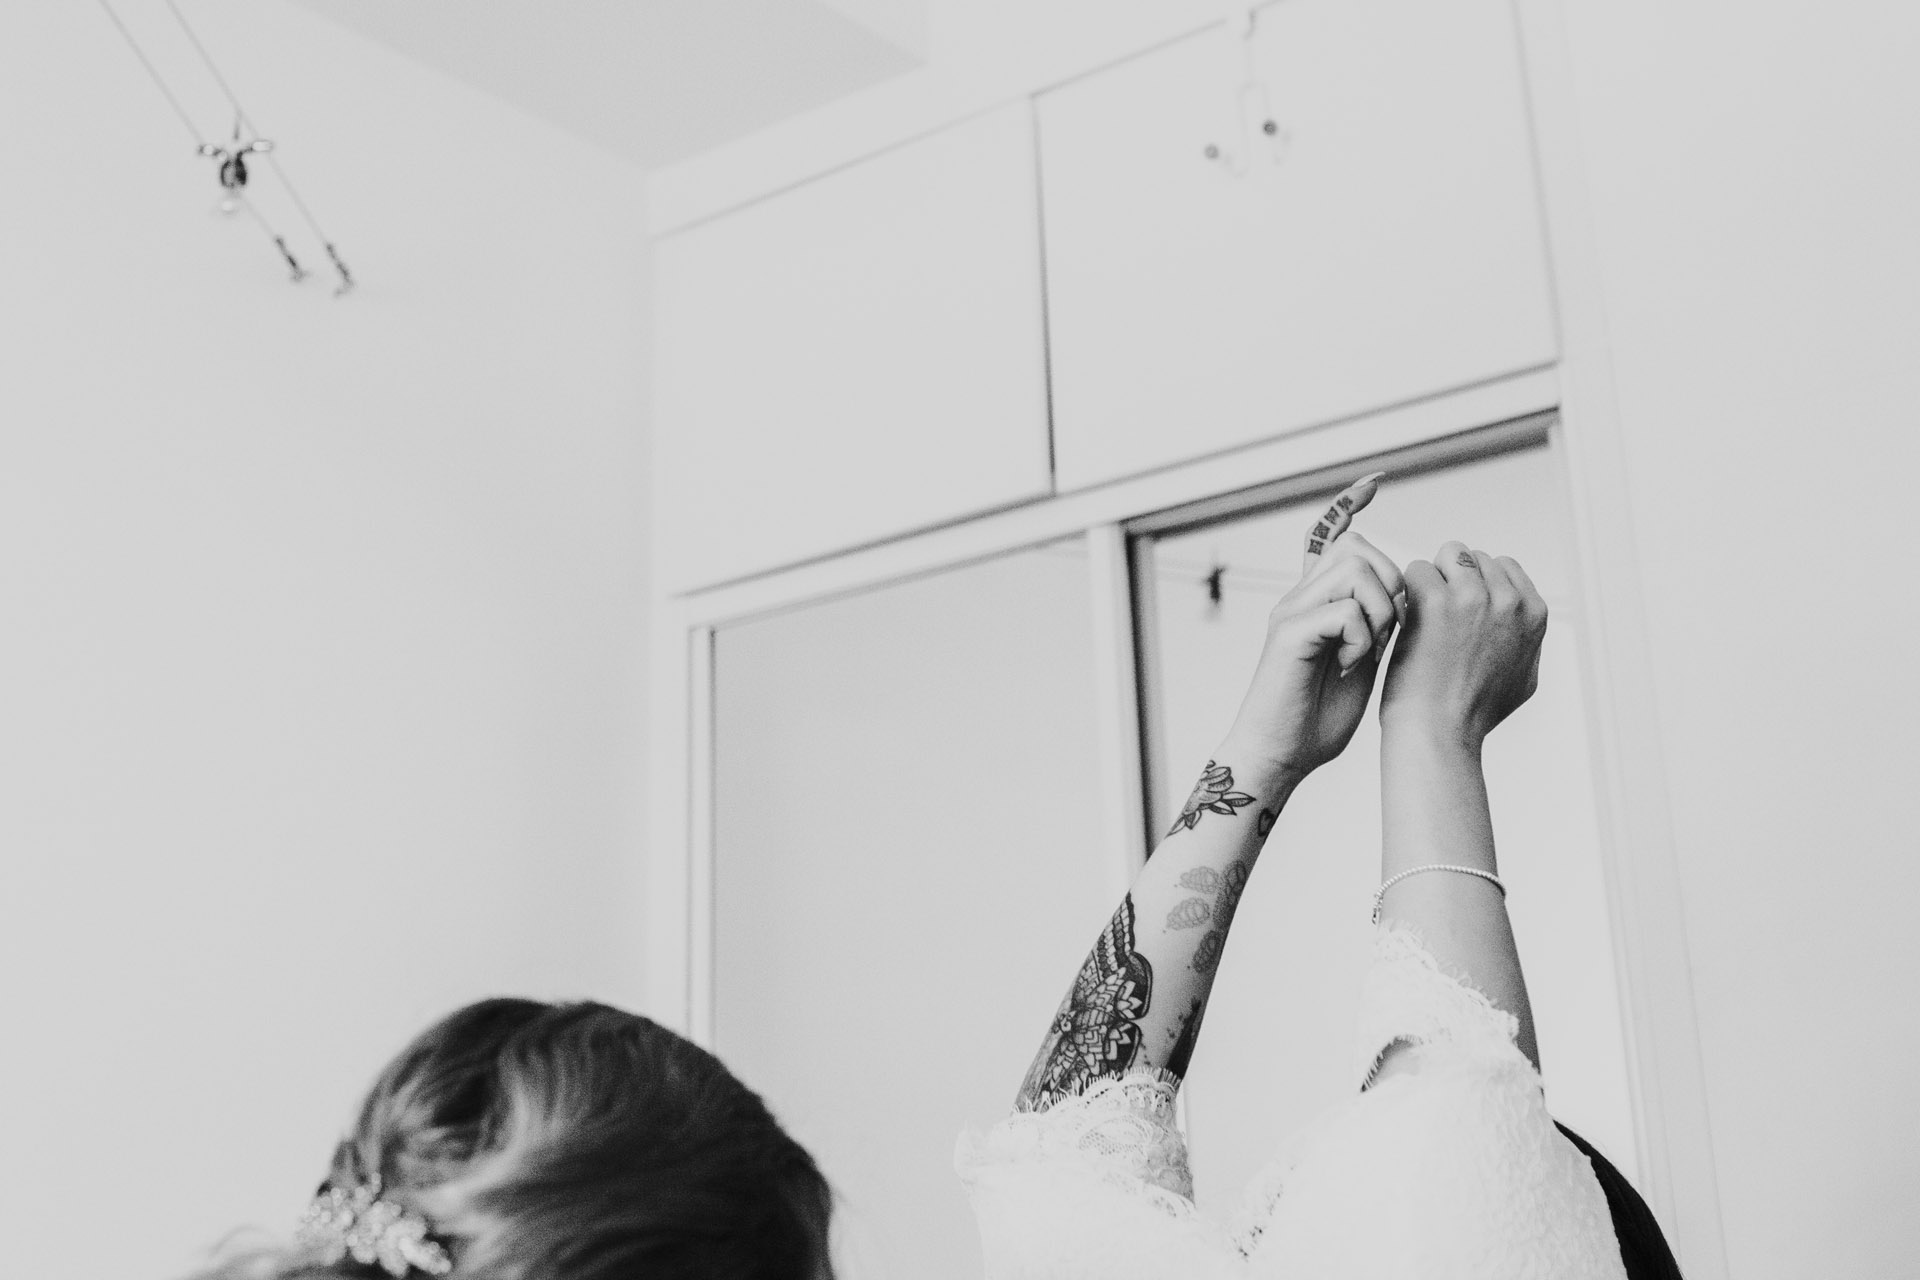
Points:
point(1408, 997)
point(1120, 1128)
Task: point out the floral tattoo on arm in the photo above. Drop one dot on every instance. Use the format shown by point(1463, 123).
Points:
point(1096, 1033)
point(1214, 793)
point(1222, 892)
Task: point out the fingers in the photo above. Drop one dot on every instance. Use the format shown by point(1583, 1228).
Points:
point(1337, 517)
point(1507, 587)
point(1341, 623)
point(1461, 572)
point(1458, 564)
point(1517, 575)
point(1354, 576)
point(1352, 544)
point(1500, 579)
point(1424, 581)
point(1425, 586)
point(1460, 567)
point(1532, 603)
point(1501, 591)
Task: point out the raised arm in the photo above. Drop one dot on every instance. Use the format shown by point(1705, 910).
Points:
point(1142, 992)
point(1469, 655)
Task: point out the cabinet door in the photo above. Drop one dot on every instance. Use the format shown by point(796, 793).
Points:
point(853, 358)
point(1383, 244)
point(907, 870)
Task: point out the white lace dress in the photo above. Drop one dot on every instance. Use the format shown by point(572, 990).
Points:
point(1454, 1172)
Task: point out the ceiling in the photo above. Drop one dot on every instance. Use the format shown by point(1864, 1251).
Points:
point(652, 81)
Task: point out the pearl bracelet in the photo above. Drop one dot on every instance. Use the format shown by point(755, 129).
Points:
point(1398, 876)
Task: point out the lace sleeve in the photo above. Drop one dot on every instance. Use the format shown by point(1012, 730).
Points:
point(1120, 1130)
point(1455, 1172)
point(1096, 1186)
point(1408, 996)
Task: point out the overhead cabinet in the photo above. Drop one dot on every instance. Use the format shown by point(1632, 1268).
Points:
point(1246, 237)
point(853, 358)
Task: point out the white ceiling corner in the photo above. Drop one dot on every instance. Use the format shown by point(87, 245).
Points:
point(653, 81)
point(902, 23)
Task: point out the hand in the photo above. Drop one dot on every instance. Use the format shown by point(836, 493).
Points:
point(1324, 641)
point(1470, 654)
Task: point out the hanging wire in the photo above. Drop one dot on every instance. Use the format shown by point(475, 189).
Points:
point(201, 145)
point(240, 113)
point(153, 71)
point(299, 272)
point(225, 155)
point(1174, 568)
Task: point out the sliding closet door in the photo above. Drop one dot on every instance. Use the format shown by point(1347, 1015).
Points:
point(1279, 1035)
point(907, 874)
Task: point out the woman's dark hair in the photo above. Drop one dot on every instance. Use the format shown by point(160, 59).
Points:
point(1643, 1247)
point(577, 1142)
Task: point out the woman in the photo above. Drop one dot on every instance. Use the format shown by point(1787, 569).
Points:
point(1446, 1164)
point(518, 1140)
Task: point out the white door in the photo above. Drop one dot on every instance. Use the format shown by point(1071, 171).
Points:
point(907, 871)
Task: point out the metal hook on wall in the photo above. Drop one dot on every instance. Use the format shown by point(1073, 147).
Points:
point(1255, 124)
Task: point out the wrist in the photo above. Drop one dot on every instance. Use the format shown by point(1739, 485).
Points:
point(1412, 726)
point(1259, 770)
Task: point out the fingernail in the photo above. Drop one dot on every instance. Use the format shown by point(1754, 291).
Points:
point(1375, 478)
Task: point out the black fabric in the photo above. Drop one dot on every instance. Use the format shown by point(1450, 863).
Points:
point(1643, 1247)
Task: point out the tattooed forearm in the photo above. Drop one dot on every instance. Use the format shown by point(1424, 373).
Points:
point(1222, 895)
point(1186, 1038)
point(1214, 793)
point(1096, 1033)
point(1172, 926)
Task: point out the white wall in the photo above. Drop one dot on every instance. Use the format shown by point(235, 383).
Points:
point(321, 648)
point(1748, 172)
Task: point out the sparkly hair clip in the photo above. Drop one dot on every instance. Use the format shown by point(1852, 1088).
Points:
point(358, 1223)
